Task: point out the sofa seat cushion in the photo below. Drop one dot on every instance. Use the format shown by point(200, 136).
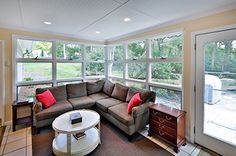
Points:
point(98, 96)
point(104, 104)
point(82, 102)
point(54, 111)
point(120, 113)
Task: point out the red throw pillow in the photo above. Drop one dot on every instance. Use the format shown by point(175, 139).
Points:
point(135, 101)
point(46, 98)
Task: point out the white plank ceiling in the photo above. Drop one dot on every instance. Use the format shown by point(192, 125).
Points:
point(82, 18)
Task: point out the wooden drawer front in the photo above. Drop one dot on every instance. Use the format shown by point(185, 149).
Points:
point(165, 136)
point(163, 121)
point(162, 127)
point(164, 116)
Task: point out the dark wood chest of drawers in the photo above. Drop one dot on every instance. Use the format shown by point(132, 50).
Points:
point(167, 124)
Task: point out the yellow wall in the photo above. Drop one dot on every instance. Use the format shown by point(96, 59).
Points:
point(6, 35)
point(217, 20)
point(208, 22)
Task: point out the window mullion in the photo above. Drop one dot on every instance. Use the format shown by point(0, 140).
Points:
point(83, 62)
point(54, 64)
point(148, 65)
point(109, 62)
point(125, 73)
point(106, 66)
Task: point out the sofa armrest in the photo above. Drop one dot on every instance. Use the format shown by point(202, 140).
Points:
point(37, 107)
point(139, 110)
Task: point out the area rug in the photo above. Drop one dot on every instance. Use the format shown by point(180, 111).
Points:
point(114, 143)
point(2, 130)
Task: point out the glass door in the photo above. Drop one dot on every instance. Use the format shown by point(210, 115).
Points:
point(216, 91)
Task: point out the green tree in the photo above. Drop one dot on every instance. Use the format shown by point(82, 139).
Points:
point(45, 47)
point(137, 50)
point(72, 51)
point(94, 54)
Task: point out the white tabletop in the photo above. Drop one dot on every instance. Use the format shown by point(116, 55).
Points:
point(63, 124)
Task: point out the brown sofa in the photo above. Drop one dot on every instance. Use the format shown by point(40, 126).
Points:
point(108, 99)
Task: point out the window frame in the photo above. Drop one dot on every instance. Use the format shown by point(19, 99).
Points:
point(148, 61)
point(54, 60)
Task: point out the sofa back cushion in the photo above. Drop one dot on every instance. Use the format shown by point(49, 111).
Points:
point(120, 92)
point(108, 87)
point(148, 96)
point(131, 93)
point(95, 87)
point(59, 92)
point(76, 90)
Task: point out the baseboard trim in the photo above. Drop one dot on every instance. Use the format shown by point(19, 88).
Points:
point(7, 123)
point(188, 139)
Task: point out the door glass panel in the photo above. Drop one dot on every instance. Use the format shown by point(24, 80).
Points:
point(220, 90)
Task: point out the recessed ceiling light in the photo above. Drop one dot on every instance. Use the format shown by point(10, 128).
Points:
point(47, 23)
point(98, 32)
point(127, 19)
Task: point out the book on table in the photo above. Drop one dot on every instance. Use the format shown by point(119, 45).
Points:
point(80, 135)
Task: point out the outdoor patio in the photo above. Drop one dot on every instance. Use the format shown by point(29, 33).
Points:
point(220, 118)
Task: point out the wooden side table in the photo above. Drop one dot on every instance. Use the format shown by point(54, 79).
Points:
point(167, 124)
point(22, 120)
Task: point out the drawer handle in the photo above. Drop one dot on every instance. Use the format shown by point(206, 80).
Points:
point(161, 127)
point(161, 120)
point(161, 133)
point(168, 118)
point(155, 113)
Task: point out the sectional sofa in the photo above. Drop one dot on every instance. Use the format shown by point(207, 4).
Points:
point(108, 99)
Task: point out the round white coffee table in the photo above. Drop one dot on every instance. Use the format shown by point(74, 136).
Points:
point(65, 143)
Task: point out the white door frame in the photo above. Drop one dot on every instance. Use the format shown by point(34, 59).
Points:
point(2, 82)
point(193, 76)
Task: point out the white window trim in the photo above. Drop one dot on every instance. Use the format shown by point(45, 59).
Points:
point(148, 60)
point(54, 81)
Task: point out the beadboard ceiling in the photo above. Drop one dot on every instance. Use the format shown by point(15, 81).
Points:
point(82, 18)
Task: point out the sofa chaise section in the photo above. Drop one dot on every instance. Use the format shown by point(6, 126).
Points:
point(115, 108)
